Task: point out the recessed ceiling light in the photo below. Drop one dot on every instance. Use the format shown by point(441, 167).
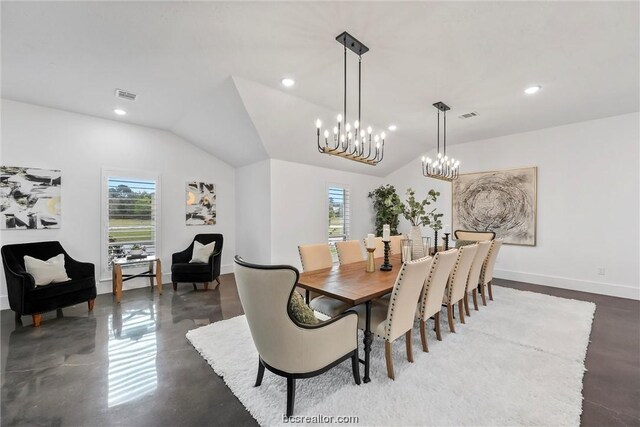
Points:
point(287, 82)
point(120, 112)
point(393, 127)
point(532, 89)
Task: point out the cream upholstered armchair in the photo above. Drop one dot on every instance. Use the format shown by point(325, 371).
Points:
point(433, 292)
point(457, 285)
point(286, 347)
point(317, 257)
point(392, 318)
point(486, 275)
point(349, 251)
point(474, 275)
point(474, 236)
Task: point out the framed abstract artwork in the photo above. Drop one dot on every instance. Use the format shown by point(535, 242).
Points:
point(201, 203)
point(500, 201)
point(29, 198)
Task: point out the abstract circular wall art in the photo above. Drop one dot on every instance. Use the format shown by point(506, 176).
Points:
point(499, 201)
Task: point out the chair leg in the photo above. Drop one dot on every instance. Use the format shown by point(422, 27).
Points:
point(218, 280)
point(409, 342)
point(206, 286)
point(475, 299)
point(90, 303)
point(18, 316)
point(423, 336)
point(355, 366)
point(460, 304)
point(388, 356)
point(175, 286)
point(291, 395)
point(195, 288)
point(37, 318)
point(466, 304)
point(260, 374)
point(482, 294)
point(452, 327)
point(437, 320)
point(490, 290)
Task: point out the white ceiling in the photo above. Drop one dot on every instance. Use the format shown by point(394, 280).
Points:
point(210, 71)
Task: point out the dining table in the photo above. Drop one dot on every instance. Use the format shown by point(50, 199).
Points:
point(352, 284)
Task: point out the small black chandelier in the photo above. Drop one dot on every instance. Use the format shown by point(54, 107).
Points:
point(351, 141)
point(443, 167)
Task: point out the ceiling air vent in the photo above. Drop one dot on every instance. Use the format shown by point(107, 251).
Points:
point(468, 115)
point(125, 95)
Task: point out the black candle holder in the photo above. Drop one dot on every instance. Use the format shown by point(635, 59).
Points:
point(446, 241)
point(385, 265)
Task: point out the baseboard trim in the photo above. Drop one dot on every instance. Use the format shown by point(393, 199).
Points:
point(601, 288)
point(4, 302)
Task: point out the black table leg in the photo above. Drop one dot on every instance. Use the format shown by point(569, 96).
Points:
point(368, 339)
point(306, 296)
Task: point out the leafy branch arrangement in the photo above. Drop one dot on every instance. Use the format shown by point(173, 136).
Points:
point(387, 206)
point(414, 211)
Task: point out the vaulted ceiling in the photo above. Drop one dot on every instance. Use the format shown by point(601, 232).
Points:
point(210, 71)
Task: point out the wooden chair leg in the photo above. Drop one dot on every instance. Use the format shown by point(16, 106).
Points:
point(466, 304)
point(482, 294)
point(475, 299)
point(490, 290)
point(195, 288)
point(389, 359)
point(460, 307)
point(452, 327)
point(37, 318)
point(91, 302)
point(218, 280)
point(291, 395)
point(206, 286)
point(437, 320)
point(409, 343)
point(423, 336)
point(175, 286)
point(355, 366)
point(260, 374)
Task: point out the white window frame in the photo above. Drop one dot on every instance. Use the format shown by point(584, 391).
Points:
point(347, 210)
point(105, 268)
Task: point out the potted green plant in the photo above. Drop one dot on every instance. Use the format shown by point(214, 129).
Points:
point(386, 205)
point(137, 249)
point(415, 212)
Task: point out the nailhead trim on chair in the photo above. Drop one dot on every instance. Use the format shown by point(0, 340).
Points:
point(486, 261)
point(436, 257)
point(452, 278)
point(301, 259)
point(394, 295)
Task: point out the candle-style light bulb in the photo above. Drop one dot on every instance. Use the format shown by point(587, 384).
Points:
point(342, 137)
point(356, 124)
point(356, 143)
point(335, 130)
point(369, 130)
point(376, 138)
point(424, 159)
point(348, 135)
point(348, 127)
point(339, 118)
point(326, 134)
point(453, 160)
point(383, 135)
point(439, 155)
point(428, 159)
point(377, 145)
point(318, 124)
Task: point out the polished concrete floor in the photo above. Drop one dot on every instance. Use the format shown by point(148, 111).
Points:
point(131, 365)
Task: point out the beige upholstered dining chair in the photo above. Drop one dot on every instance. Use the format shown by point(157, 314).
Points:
point(394, 244)
point(286, 347)
point(433, 292)
point(390, 319)
point(474, 275)
point(317, 257)
point(486, 275)
point(474, 236)
point(379, 252)
point(349, 251)
point(457, 285)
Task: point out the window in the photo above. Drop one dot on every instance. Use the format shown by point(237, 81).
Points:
point(338, 198)
point(130, 216)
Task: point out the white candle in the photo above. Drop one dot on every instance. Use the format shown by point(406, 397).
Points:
point(446, 229)
point(371, 243)
point(386, 233)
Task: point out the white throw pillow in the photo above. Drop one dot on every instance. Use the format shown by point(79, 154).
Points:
point(46, 272)
point(201, 253)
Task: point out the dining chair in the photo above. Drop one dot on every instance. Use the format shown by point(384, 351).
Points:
point(474, 236)
point(317, 257)
point(486, 275)
point(286, 347)
point(349, 251)
point(394, 244)
point(474, 275)
point(379, 248)
point(390, 320)
point(433, 292)
point(457, 284)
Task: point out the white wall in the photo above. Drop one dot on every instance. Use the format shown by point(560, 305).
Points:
point(299, 206)
point(588, 202)
point(80, 146)
point(253, 208)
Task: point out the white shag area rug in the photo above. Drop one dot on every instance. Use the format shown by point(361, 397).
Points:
point(518, 361)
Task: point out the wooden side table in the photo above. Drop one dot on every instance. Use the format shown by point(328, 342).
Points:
point(118, 278)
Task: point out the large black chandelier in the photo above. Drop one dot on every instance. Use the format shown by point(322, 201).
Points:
point(351, 141)
point(442, 167)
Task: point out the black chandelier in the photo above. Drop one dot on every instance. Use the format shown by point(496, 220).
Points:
point(443, 167)
point(352, 142)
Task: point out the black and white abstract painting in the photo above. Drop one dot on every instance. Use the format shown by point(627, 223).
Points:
point(29, 198)
point(499, 201)
point(201, 203)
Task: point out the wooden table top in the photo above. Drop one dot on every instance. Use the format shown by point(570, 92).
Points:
point(350, 282)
